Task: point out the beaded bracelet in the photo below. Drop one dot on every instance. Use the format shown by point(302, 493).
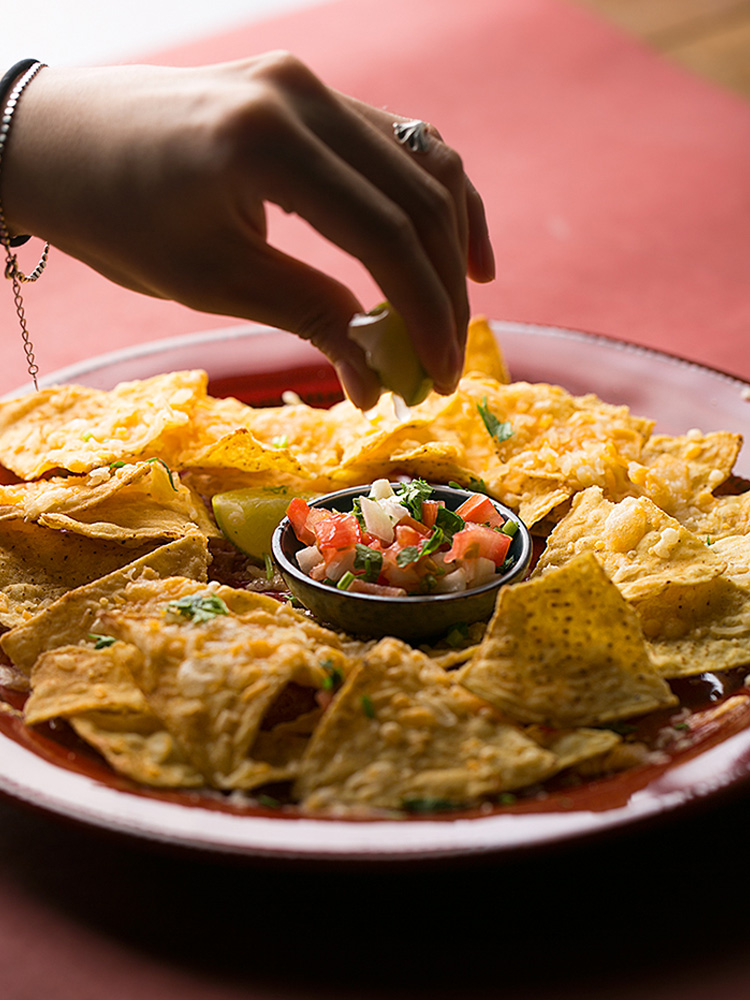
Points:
point(17, 78)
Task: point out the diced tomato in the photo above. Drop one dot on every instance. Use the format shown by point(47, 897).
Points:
point(430, 510)
point(337, 531)
point(406, 535)
point(478, 540)
point(393, 575)
point(359, 586)
point(298, 512)
point(411, 522)
point(479, 509)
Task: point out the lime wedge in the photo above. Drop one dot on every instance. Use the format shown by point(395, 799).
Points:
point(389, 352)
point(248, 517)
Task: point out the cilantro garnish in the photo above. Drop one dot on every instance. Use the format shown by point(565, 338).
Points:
point(369, 560)
point(449, 522)
point(457, 635)
point(101, 641)
point(412, 494)
point(164, 465)
point(334, 675)
point(428, 805)
point(198, 608)
point(268, 562)
point(367, 706)
point(498, 429)
point(409, 554)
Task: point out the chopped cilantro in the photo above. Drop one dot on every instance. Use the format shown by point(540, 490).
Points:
point(500, 430)
point(408, 555)
point(101, 641)
point(268, 801)
point(428, 805)
point(507, 798)
point(457, 635)
point(369, 560)
point(367, 706)
point(681, 725)
point(198, 607)
point(268, 562)
point(434, 542)
point(161, 462)
point(449, 522)
point(334, 675)
point(412, 494)
point(117, 465)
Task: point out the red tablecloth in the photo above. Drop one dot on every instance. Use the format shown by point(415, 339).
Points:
point(616, 184)
point(618, 196)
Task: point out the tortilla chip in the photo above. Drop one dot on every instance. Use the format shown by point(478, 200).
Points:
point(131, 504)
point(693, 615)
point(137, 745)
point(566, 650)
point(574, 746)
point(643, 550)
point(240, 450)
point(402, 734)
point(483, 354)
point(79, 429)
point(213, 682)
point(39, 565)
point(94, 690)
point(698, 629)
point(681, 473)
point(75, 679)
point(72, 617)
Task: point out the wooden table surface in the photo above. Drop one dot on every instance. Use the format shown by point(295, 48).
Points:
point(709, 37)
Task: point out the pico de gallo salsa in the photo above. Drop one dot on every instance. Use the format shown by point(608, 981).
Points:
point(398, 541)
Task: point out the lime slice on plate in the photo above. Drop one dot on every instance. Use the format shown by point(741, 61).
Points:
point(389, 352)
point(248, 517)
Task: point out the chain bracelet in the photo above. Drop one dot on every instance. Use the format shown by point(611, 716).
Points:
point(12, 271)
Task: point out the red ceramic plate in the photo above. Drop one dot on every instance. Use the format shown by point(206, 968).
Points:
point(41, 769)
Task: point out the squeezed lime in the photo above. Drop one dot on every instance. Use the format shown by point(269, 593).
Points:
point(248, 517)
point(389, 352)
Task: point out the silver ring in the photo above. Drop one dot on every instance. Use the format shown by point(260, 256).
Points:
point(412, 134)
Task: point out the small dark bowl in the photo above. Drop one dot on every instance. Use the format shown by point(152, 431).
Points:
point(417, 618)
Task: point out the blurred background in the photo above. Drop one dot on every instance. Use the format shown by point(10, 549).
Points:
point(709, 37)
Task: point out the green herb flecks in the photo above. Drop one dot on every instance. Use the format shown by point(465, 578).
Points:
point(457, 635)
point(428, 805)
point(367, 706)
point(411, 495)
point(369, 560)
point(449, 522)
point(280, 441)
point(102, 641)
point(334, 676)
point(408, 555)
point(498, 429)
point(163, 464)
point(198, 608)
point(268, 563)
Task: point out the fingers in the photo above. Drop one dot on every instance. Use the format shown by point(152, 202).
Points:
point(344, 172)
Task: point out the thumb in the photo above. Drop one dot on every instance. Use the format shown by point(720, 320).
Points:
point(287, 293)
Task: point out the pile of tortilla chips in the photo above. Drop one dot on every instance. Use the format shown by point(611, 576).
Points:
point(115, 618)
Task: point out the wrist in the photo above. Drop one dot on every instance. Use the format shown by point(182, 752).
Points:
point(12, 86)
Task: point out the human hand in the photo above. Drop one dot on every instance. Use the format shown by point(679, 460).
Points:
point(158, 178)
